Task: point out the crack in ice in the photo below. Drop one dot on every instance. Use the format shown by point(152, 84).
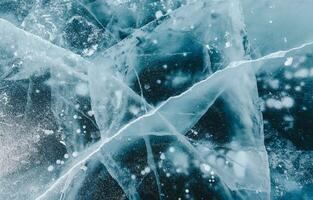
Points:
point(234, 65)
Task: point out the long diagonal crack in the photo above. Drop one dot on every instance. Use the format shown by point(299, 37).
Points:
point(232, 66)
point(278, 54)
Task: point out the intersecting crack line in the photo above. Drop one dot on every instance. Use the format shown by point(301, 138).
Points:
point(278, 54)
point(237, 64)
point(150, 156)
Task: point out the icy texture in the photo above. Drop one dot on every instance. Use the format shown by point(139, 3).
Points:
point(152, 99)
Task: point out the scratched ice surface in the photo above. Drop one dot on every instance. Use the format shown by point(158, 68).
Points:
point(147, 99)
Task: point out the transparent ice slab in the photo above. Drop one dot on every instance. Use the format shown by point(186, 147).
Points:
point(176, 98)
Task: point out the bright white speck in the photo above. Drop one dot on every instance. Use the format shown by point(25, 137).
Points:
point(147, 170)
point(205, 167)
point(178, 170)
point(227, 44)
point(84, 168)
point(273, 103)
point(158, 14)
point(285, 40)
point(134, 110)
point(288, 61)
point(297, 88)
point(75, 154)
point(66, 156)
point(147, 86)
point(287, 102)
point(90, 113)
point(274, 83)
point(288, 118)
point(50, 168)
point(48, 132)
point(172, 149)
